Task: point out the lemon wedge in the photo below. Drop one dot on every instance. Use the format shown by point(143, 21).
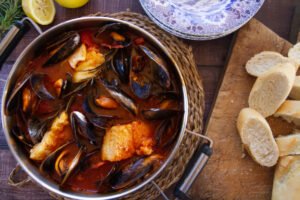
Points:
point(41, 11)
point(72, 3)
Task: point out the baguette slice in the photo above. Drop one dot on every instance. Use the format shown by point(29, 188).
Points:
point(289, 144)
point(257, 137)
point(264, 61)
point(290, 111)
point(286, 184)
point(294, 53)
point(271, 89)
point(295, 92)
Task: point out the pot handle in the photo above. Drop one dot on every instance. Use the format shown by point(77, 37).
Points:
point(194, 167)
point(13, 179)
point(13, 36)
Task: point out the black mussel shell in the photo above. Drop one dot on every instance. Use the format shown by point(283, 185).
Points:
point(161, 130)
point(131, 173)
point(20, 136)
point(36, 130)
point(75, 162)
point(160, 70)
point(48, 163)
point(13, 103)
point(120, 64)
point(81, 125)
point(37, 82)
point(140, 87)
point(158, 114)
point(121, 97)
point(68, 47)
point(116, 27)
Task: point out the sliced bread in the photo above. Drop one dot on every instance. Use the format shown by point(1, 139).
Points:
point(286, 184)
point(294, 53)
point(257, 137)
point(272, 88)
point(289, 144)
point(295, 92)
point(290, 111)
point(264, 61)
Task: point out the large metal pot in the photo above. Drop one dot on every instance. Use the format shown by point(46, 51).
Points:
point(28, 54)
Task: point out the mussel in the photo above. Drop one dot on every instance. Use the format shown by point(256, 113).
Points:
point(121, 64)
point(140, 75)
point(140, 86)
point(62, 161)
point(13, 103)
point(161, 71)
point(81, 125)
point(37, 82)
point(121, 97)
point(65, 46)
point(21, 136)
point(118, 39)
point(131, 173)
point(36, 129)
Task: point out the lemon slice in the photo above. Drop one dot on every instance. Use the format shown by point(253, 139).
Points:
point(41, 11)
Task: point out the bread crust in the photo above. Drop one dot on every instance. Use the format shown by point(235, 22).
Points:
point(286, 184)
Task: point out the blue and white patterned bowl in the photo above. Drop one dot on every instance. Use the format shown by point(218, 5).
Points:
point(201, 19)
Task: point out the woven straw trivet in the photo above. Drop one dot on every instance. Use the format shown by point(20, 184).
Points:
point(184, 58)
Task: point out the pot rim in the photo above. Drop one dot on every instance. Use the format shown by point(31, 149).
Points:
point(46, 182)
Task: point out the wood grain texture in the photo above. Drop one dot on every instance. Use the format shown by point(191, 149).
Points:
point(210, 57)
point(232, 176)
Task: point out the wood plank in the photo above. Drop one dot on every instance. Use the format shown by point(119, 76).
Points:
point(231, 175)
point(30, 191)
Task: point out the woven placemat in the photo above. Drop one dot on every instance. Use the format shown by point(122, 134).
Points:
point(183, 56)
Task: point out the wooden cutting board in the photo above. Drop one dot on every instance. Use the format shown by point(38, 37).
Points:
point(231, 173)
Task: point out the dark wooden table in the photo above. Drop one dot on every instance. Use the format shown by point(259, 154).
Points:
point(210, 58)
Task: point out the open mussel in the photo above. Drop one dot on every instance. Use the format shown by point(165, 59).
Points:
point(121, 97)
point(14, 101)
point(140, 86)
point(160, 69)
point(116, 32)
point(37, 82)
point(64, 47)
point(81, 126)
point(137, 169)
point(63, 161)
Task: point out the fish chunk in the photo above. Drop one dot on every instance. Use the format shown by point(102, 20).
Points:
point(77, 56)
point(142, 137)
point(124, 141)
point(60, 132)
point(118, 143)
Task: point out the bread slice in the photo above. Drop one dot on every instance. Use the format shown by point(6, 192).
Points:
point(272, 88)
point(289, 144)
point(290, 111)
point(257, 137)
point(264, 61)
point(294, 53)
point(295, 92)
point(286, 184)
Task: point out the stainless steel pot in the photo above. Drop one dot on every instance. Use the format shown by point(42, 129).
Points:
point(28, 54)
